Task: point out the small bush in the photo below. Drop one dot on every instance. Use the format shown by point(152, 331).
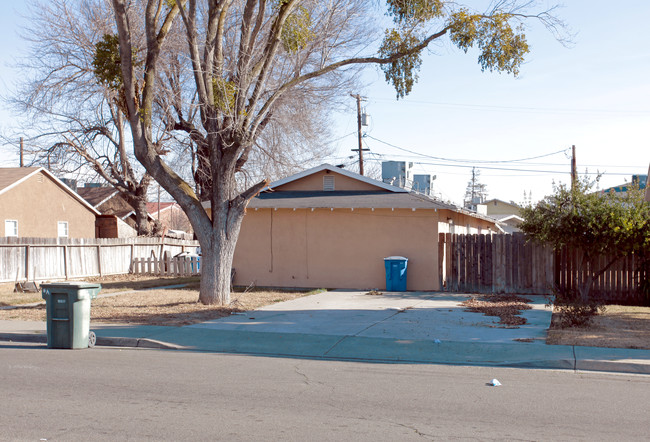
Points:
point(573, 311)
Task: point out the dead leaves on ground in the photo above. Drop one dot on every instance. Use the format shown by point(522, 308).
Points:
point(506, 307)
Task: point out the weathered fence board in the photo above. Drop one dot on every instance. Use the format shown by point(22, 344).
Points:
point(51, 258)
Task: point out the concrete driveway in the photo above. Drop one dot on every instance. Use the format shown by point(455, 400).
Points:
point(394, 315)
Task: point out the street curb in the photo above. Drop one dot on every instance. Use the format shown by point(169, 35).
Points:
point(103, 341)
point(628, 366)
point(38, 338)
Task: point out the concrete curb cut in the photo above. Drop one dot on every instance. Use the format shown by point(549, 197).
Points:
point(137, 343)
point(101, 341)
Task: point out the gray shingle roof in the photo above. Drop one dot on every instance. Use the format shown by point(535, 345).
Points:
point(345, 200)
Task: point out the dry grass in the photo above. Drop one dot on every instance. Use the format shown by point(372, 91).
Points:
point(9, 297)
point(110, 284)
point(170, 307)
point(506, 307)
point(617, 327)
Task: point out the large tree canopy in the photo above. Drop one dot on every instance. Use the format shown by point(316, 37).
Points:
point(251, 58)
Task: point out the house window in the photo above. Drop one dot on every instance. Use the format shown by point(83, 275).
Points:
point(11, 228)
point(63, 229)
point(328, 183)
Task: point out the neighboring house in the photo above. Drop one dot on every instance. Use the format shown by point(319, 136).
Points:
point(508, 214)
point(170, 215)
point(637, 180)
point(117, 218)
point(34, 203)
point(329, 227)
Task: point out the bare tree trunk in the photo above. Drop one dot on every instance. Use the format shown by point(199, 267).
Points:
point(142, 218)
point(216, 265)
point(227, 217)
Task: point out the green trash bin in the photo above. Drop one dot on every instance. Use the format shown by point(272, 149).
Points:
point(68, 313)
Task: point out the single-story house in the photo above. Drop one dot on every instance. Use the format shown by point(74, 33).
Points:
point(117, 218)
point(329, 227)
point(508, 214)
point(171, 216)
point(35, 203)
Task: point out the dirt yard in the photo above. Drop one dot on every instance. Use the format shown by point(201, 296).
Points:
point(170, 307)
point(618, 327)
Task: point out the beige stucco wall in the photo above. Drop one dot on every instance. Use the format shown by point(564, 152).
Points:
point(464, 224)
point(501, 208)
point(314, 182)
point(336, 249)
point(174, 218)
point(38, 204)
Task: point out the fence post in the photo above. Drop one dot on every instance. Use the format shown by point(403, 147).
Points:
point(65, 261)
point(99, 259)
point(27, 262)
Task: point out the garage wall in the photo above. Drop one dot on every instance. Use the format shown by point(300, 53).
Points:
point(338, 248)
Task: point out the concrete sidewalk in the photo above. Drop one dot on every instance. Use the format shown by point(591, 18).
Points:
point(409, 327)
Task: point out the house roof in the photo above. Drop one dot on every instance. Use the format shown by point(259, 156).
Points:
point(395, 198)
point(338, 170)
point(640, 180)
point(10, 177)
point(97, 195)
point(508, 219)
point(345, 199)
point(502, 202)
point(152, 208)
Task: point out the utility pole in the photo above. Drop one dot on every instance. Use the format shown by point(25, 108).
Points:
point(647, 187)
point(22, 164)
point(360, 135)
point(574, 175)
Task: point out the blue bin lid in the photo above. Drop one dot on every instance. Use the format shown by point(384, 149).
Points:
point(396, 258)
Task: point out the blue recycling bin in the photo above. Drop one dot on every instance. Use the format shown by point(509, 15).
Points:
point(396, 273)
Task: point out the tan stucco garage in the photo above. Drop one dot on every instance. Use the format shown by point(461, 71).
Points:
point(328, 227)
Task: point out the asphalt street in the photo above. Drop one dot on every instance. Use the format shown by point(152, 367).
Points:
point(138, 394)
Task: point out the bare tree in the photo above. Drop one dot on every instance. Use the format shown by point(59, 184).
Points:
point(75, 123)
point(247, 56)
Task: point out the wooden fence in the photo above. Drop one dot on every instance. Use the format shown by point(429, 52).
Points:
point(181, 266)
point(620, 283)
point(512, 264)
point(495, 264)
point(40, 259)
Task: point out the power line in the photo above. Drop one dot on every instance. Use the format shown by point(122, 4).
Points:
point(463, 160)
point(522, 108)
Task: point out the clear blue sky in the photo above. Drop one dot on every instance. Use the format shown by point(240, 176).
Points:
point(595, 95)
